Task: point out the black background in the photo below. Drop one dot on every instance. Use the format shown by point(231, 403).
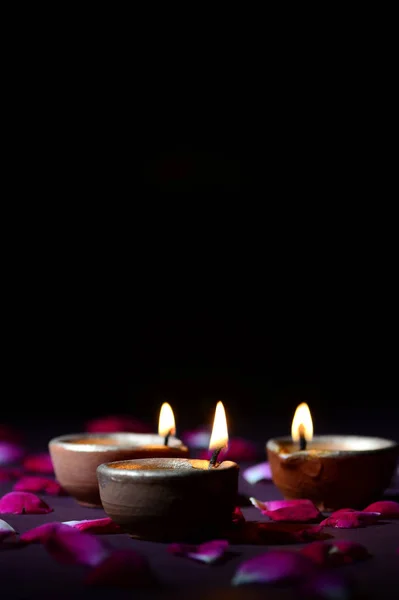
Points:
point(151, 294)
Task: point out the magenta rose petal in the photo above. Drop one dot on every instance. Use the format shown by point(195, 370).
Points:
point(350, 520)
point(123, 568)
point(6, 531)
point(238, 449)
point(33, 483)
point(117, 423)
point(105, 525)
point(326, 585)
point(275, 567)
point(256, 473)
point(288, 511)
point(23, 503)
point(387, 508)
point(10, 473)
point(209, 552)
point(39, 463)
point(198, 438)
point(334, 553)
point(10, 453)
point(68, 545)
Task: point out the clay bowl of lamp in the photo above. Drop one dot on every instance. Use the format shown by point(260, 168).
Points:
point(334, 471)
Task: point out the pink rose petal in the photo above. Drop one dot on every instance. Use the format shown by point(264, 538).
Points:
point(123, 568)
point(105, 525)
point(209, 553)
point(256, 533)
point(33, 483)
point(39, 463)
point(10, 473)
point(6, 531)
point(117, 423)
point(260, 472)
point(288, 511)
point(353, 519)
point(275, 567)
point(23, 503)
point(239, 449)
point(238, 517)
point(68, 545)
point(334, 553)
point(198, 438)
point(387, 509)
point(10, 453)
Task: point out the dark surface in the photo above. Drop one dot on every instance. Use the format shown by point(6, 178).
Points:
point(30, 573)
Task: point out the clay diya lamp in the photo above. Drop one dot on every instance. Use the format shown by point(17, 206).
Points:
point(334, 471)
point(173, 499)
point(76, 456)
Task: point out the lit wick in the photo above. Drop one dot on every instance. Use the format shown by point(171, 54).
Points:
point(167, 426)
point(166, 440)
point(214, 457)
point(302, 439)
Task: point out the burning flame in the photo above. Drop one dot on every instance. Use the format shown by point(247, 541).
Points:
point(219, 437)
point(302, 423)
point(166, 420)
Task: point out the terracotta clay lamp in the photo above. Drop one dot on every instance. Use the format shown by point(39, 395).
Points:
point(76, 456)
point(168, 499)
point(334, 471)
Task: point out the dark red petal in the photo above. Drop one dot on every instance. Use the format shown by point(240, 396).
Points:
point(334, 553)
point(10, 453)
point(123, 568)
point(33, 483)
point(10, 473)
point(256, 473)
point(209, 552)
point(256, 533)
point(68, 545)
point(275, 567)
point(117, 423)
point(350, 520)
point(105, 525)
point(6, 531)
point(238, 517)
point(387, 508)
point(39, 463)
point(23, 503)
point(198, 438)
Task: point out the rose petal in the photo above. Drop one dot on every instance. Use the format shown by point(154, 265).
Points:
point(238, 517)
point(105, 525)
point(117, 423)
point(198, 438)
point(23, 503)
point(209, 552)
point(280, 566)
point(326, 585)
point(10, 473)
point(260, 472)
point(68, 545)
point(6, 531)
point(123, 568)
point(387, 508)
point(289, 511)
point(33, 483)
point(39, 463)
point(334, 553)
point(350, 520)
point(10, 453)
point(239, 449)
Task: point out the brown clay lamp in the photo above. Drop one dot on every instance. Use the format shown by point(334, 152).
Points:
point(76, 456)
point(169, 499)
point(334, 471)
